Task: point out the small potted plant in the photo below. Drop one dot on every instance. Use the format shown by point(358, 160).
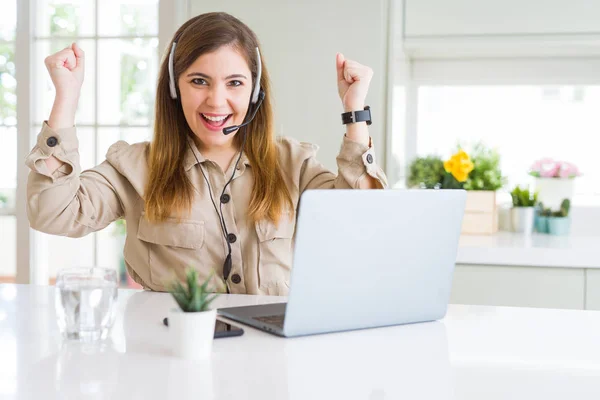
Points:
point(554, 180)
point(559, 223)
point(478, 172)
point(542, 214)
point(523, 210)
point(192, 324)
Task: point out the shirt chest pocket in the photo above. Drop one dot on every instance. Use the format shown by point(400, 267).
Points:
point(173, 246)
point(275, 251)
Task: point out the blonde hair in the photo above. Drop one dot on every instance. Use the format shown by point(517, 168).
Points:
point(169, 190)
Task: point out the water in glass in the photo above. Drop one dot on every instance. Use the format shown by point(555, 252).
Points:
point(85, 302)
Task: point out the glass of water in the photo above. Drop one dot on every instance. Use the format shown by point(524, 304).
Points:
point(85, 302)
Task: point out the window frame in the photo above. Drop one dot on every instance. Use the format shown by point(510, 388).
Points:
point(31, 252)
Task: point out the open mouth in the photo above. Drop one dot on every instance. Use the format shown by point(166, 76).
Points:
point(216, 121)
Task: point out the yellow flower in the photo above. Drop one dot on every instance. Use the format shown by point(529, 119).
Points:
point(459, 165)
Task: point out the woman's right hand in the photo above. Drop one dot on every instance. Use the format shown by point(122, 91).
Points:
point(66, 69)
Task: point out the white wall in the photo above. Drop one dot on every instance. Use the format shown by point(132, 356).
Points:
point(300, 41)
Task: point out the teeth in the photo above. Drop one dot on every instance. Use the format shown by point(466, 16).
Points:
point(215, 119)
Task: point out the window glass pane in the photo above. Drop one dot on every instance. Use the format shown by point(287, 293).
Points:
point(126, 95)
point(8, 247)
point(8, 166)
point(64, 252)
point(108, 136)
point(525, 123)
point(111, 241)
point(8, 20)
point(44, 98)
point(8, 85)
point(87, 148)
point(65, 18)
point(127, 17)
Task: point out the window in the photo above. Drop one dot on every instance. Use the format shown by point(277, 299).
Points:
point(120, 40)
point(526, 108)
point(524, 123)
point(8, 135)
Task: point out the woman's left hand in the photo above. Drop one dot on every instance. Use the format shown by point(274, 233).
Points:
point(353, 83)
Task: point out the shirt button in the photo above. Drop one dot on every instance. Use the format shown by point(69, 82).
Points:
point(225, 198)
point(235, 278)
point(52, 141)
point(369, 158)
point(231, 238)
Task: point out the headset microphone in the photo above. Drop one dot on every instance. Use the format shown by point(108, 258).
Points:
point(229, 129)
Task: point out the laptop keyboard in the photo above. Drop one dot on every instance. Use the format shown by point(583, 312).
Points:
point(276, 320)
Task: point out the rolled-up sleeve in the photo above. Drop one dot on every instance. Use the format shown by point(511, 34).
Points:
point(355, 162)
point(67, 202)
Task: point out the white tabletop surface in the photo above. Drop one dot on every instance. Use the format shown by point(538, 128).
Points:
point(474, 353)
point(536, 250)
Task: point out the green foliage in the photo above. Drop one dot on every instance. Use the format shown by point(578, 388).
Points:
point(3, 199)
point(563, 212)
point(565, 207)
point(523, 197)
point(192, 297)
point(426, 173)
point(486, 175)
point(120, 227)
point(450, 182)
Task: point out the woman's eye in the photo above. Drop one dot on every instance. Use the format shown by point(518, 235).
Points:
point(235, 83)
point(198, 81)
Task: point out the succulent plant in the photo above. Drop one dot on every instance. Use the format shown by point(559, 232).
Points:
point(523, 197)
point(192, 297)
point(565, 207)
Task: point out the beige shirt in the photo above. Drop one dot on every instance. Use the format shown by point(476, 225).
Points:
point(72, 203)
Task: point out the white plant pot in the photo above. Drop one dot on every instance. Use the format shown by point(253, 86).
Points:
point(552, 191)
point(522, 219)
point(191, 333)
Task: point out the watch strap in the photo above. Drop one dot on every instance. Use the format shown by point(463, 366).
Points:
point(357, 116)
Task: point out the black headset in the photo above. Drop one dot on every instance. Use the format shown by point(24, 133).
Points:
point(258, 95)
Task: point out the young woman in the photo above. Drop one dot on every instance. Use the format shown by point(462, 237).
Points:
point(204, 192)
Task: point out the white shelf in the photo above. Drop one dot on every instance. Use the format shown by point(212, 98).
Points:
point(537, 250)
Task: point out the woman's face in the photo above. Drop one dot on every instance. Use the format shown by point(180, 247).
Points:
point(215, 93)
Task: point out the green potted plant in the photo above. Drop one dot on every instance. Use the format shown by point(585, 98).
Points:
point(192, 323)
point(559, 222)
point(426, 173)
point(3, 200)
point(542, 213)
point(486, 174)
point(478, 172)
point(523, 209)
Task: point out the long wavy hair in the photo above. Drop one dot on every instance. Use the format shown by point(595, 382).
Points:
point(169, 190)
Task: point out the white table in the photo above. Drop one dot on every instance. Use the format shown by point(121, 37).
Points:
point(474, 353)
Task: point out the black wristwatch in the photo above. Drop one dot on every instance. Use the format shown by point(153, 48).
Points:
point(357, 116)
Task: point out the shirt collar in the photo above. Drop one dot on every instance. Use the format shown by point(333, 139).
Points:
point(193, 156)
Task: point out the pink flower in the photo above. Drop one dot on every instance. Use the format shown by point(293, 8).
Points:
point(550, 171)
point(568, 170)
point(549, 168)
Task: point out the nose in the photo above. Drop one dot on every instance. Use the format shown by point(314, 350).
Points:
point(217, 96)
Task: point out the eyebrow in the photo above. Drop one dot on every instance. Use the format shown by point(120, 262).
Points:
point(201, 75)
